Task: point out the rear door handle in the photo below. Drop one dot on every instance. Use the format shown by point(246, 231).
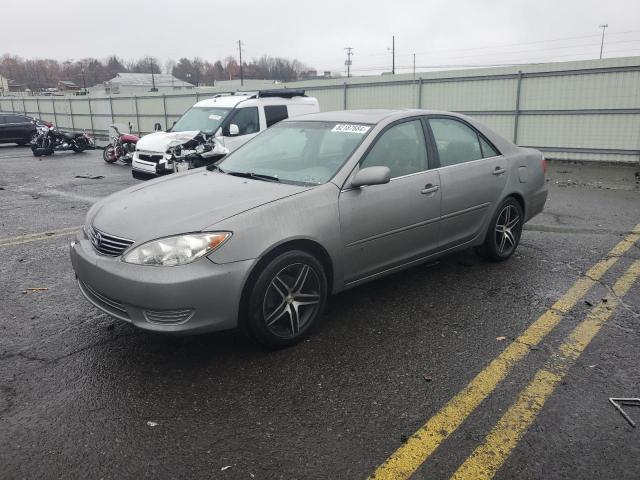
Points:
point(430, 188)
point(499, 171)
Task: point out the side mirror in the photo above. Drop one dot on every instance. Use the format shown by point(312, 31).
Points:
point(157, 127)
point(371, 176)
point(234, 130)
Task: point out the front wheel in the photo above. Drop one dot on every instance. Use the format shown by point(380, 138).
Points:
point(504, 231)
point(286, 300)
point(109, 154)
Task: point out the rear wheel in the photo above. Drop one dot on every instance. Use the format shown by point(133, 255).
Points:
point(80, 145)
point(504, 231)
point(286, 300)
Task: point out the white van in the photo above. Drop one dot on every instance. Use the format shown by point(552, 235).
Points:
point(214, 127)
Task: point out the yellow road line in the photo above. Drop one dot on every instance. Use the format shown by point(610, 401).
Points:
point(421, 445)
point(34, 237)
point(487, 459)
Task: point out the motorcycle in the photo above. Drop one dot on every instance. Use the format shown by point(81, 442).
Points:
point(121, 147)
point(50, 140)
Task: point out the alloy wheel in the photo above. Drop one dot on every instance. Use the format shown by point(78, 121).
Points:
point(291, 300)
point(507, 230)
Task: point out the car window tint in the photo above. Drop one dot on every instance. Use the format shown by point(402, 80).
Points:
point(401, 148)
point(247, 120)
point(456, 142)
point(275, 113)
point(487, 150)
point(16, 119)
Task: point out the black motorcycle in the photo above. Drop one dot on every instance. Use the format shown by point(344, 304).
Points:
point(50, 140)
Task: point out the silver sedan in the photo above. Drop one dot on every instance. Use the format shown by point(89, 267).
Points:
point(312, 206)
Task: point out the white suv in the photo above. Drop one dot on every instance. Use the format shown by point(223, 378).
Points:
point(214, 127)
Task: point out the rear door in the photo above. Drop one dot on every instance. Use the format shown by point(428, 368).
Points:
point(20, 127)
point(472, 178)
point(388, 225)
point(4, 128)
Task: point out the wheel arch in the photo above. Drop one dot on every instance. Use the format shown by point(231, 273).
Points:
point(304, 244)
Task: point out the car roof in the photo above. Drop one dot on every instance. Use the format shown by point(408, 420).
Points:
point(226, 101)
point(230, 101)
point(369, 116)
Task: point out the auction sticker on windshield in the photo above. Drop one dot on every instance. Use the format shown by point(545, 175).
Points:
point(350, 128)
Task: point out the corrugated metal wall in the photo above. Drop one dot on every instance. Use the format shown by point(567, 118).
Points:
point(586, 110)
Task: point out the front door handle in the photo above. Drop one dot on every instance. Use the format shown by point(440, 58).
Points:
point(430, 188)
point(499, 171)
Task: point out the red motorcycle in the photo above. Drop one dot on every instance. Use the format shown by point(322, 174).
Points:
point(121, 147)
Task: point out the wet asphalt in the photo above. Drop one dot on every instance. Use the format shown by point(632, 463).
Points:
point(85, 396)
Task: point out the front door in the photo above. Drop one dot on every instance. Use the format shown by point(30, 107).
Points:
point(472, 178)
point(384, 226)
point(248, 122)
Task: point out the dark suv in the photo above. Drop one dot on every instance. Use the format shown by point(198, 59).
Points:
point(15, 128)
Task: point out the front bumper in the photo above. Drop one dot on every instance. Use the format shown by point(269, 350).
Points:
point(198, 297)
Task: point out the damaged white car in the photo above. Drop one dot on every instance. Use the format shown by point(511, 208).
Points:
point(214, 127)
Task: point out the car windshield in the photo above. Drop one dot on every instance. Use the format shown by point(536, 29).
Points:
point(298, 152)
point(201, 119)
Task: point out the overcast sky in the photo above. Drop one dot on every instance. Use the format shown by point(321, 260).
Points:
point(440, 32)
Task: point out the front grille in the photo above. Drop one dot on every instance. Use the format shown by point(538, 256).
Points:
point(107, 304)
point(168, 317)
point(148, 157)
point(107, 244)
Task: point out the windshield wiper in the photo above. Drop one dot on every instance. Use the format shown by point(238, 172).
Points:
point(257, 176)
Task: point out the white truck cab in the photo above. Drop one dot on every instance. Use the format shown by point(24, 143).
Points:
point(214, 127)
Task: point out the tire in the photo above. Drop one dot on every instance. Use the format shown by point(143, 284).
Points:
point(286, 300)
point(80, 145)
point(109, 154)
point(504, 231)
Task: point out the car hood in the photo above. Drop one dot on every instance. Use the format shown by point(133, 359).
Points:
point(160, 141)
point(180, 203)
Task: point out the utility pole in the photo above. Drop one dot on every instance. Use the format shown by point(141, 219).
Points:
point(348, 62)
point(84, 80)
point(414, 67)
point(241, 71)
point(153, 78)
point(393, 55)
point(603, 27)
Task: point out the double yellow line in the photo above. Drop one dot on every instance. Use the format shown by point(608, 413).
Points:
point(487, 458)
point(34, 237)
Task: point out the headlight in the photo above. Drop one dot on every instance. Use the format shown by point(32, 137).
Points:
point(178, 250)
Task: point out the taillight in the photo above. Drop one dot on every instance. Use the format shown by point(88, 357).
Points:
point(544, 165)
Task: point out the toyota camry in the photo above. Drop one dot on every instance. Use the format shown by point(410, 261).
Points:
point(310, 207)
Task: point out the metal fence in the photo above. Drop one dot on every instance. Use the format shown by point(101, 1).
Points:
point(587, 110)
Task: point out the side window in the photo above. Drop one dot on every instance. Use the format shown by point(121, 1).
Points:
point(275, 114)
point(3, 119)
point(16, 119)
point(456, 142)
point(247, 120)
point(487, 150)
point(401, 148)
